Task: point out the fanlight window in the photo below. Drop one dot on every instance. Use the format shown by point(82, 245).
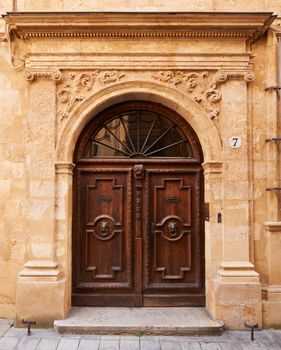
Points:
point(138, 134)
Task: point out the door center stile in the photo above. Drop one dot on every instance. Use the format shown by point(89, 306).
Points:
point(139, 174)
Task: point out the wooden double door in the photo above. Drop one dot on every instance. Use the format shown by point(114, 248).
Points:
point(138, 237)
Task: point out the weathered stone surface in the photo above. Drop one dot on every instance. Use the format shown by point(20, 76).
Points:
point(92, 344)
point(8, 343)
point(48, 344)
point(149, 320)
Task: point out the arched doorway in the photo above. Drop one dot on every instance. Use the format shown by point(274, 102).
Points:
point(138, 210)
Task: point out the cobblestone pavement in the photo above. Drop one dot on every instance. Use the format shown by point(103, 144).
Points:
point(47, 339)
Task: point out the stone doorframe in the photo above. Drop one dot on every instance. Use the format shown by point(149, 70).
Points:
point(210, 90)
point(230, 279)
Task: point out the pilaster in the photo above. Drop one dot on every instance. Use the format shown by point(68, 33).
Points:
point(63, 217)
point(272, 291)
point(41, 281)
point(237, 288)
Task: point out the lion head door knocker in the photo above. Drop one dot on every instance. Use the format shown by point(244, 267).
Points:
point(104, 228)
point(138, 171)
point(172, 228)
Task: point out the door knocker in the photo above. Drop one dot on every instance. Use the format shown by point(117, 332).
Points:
point(172, 228)
point(104, 228)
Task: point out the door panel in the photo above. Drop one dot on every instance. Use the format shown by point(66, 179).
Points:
point(173, 251)
point(138, 238)
point(103, 247)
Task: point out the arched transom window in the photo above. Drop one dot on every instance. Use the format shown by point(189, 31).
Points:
point(138, 133)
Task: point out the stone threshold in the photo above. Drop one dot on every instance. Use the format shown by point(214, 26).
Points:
point(139, 321)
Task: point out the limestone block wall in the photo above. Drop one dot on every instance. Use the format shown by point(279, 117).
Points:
point(14, 182)
point(146, 5)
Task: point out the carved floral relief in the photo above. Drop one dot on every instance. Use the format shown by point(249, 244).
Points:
point(197, 85)
point(201, 87)
point(79, 85)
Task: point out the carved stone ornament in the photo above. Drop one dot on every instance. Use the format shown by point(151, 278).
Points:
point(202, 89)
point(53, 75)
point(79, 87)
point(222, 76)
point(201, 86)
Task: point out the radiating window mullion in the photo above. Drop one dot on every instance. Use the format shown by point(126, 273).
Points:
point(122, 143)
point(165, 147)
point(159, 138)
point(128, 135)
point(115, 149)
point(149, 133)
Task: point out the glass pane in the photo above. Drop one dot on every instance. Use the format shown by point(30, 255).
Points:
point(139, 134)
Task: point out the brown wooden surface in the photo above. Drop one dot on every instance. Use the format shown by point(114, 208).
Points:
point(138, 237)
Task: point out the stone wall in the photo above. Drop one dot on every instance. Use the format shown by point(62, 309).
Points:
point(146, 5)
point(13, 181)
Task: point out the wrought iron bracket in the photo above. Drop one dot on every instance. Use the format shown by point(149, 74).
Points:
point(273, 139)
point(272, 88)
point(29, 323)
point(273, 189)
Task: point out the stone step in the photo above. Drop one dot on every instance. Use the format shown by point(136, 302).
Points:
point(139, 321)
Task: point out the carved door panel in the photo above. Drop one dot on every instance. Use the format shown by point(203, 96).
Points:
point(173, 254)
point(103, 243)
point(138, 236)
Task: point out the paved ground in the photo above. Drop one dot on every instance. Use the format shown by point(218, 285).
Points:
point(47, 339)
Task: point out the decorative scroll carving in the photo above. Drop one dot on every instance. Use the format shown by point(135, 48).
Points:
point(110, 76)
point(84, 80)
point(53, 75)
point(196, 84)
point(222, 76)
point(203, 89)
point(202, 86)
point(79, 86)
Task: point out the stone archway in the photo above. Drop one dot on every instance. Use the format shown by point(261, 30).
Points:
point(154, 92)
point(140, 90)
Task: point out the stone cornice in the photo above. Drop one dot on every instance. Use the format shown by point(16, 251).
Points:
point(139, 25)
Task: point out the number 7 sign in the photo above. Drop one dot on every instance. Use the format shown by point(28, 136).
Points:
point(235, 142)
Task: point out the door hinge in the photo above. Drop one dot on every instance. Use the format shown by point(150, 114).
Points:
point(207, 211)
